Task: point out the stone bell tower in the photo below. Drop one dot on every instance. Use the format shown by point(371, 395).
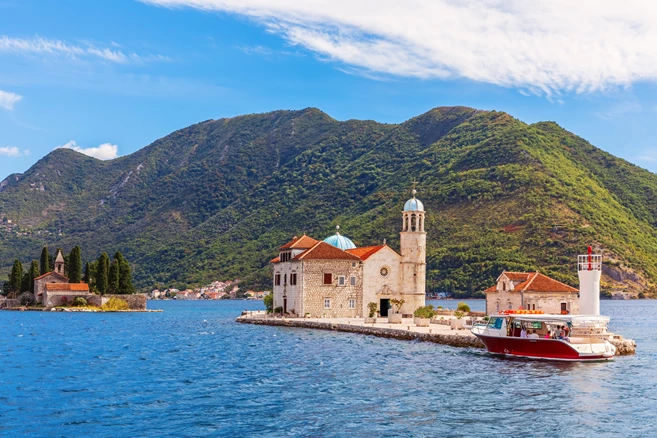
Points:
point(59, 263)
point(413, 246)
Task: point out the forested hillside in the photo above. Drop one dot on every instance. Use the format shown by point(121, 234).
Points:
point(216, 199)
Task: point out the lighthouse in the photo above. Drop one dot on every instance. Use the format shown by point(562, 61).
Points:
point(589, 269)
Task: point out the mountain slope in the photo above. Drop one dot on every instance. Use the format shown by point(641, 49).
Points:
point(216, 199)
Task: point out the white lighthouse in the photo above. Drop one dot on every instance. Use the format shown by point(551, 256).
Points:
point(589, 269)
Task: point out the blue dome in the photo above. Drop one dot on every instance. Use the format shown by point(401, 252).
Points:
point(413, 204)
point(340, 241)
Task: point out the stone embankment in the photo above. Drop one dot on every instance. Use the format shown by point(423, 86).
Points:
point(437, 333)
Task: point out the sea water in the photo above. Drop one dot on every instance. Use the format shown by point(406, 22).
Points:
point(193, 371)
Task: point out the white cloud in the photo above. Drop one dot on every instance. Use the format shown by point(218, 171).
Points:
point(12, 151)
point(8, 99)
point(105, 151)
point(44, 46)
point(545, 47)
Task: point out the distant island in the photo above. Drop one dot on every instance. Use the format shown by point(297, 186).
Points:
point(217, 196)
point(217, 290)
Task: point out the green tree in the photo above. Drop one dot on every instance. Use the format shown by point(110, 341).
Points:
point(87, 275)
point(125, 278)
point(46, 265)
point(25, 284)
point(113, 285)
point(75, 265)
point(16, 277)
point(268, 301)
point(102, 273)
point(34, 273)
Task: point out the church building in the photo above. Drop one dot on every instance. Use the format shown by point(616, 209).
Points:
point(335, 279)
point(51, 287)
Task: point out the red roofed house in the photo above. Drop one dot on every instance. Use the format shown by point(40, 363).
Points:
point(335, 279)
point(531, 291)
point(50, 288)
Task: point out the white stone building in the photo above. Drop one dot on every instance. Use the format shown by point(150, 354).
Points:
point(335, 279)
point(531, 291)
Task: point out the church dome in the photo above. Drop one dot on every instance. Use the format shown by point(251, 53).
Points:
point(340, 241)
point(413, 204)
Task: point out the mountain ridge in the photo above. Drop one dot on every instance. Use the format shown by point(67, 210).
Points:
point(215, 199)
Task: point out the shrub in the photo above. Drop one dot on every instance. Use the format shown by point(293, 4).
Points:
point(115, 303)
point(64, 301)
point(79, 302)
point(424, 312)
point(373, 309)
point(458, 314)
point(268, 301)
point(26, 298)
point(462, 307)
point(396, 305)
point(278, 310)
point(641, 295)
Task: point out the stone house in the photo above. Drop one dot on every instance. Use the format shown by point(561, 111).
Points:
point(531, 291)
point(335, 279)
point(50, 287)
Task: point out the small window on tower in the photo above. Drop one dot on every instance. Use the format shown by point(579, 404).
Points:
point(328, 278)
point(277, 280)
point(293, 279)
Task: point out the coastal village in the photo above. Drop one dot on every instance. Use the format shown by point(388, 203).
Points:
point(217, 290)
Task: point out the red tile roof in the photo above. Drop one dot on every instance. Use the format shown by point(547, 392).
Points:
point(303, 242)
point(77, 287)
point(365, 252)
point(535, 282)
point(51, 272)
point(325, 251)
point(275, 260)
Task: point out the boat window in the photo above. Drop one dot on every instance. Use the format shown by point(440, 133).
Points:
point(495, 323)
point(537, 325)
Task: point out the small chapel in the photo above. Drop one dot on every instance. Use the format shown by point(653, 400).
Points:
point(332, 278)
point(51, 287)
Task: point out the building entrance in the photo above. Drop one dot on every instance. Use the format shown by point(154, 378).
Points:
point(384, 305)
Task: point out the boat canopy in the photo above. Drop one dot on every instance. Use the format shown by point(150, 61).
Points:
point(574, 319)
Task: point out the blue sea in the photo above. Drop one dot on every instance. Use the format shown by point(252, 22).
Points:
point(191, 371)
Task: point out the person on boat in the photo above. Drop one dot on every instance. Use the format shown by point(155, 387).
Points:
point(548, 335)
point(557, 332)
point(534, 335)
point(523, 332)
point(566, 331)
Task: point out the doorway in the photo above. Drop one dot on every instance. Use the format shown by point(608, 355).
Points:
point(384, 305)
point(284, 305)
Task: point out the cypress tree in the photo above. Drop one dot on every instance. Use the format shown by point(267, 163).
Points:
point(16, 277)
point(25, 284)
point(75, 266)
point(125, 278)
point(46, 266)
point(87, 275)
point(113, 286)
point(34, 273)
point(102, 273)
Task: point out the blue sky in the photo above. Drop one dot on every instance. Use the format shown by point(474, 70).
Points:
point(110, 77)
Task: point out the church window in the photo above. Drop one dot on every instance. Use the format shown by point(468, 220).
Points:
point(352, 303)
point(277, 280)
point(353, 280)
point(293, 279)
point(503, 286)
point(413, 222)
point(327, 303)
point(384, 272)
point(328, 278)
point(342, 280)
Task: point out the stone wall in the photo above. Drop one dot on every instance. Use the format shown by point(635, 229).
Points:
point(9, 303)
point(315, 291)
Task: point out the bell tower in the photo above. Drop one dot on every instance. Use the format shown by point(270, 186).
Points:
point(59, 263)
point(413, 246)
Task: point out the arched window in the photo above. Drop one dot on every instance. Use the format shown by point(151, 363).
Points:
point(503, 286)
point(413, 222)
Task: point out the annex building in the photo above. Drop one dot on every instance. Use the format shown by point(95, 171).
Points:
point(333, 278)
point(531, 291)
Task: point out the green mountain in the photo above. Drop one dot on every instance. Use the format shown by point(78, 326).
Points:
point(216, 199)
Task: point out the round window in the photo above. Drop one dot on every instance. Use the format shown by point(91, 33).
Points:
point(384, 271)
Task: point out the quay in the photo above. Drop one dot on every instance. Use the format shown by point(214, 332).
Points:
point(439, 332)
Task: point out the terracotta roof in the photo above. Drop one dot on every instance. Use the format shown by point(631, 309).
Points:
point(303, 242)
point(535, 282)
point(275, 260)
point(365, 252)
point(51, 272)
point(326, 251)
point(75, 287)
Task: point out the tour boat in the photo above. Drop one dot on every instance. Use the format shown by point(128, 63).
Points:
point(504, 335)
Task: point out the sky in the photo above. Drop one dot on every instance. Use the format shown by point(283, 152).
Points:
point(108, 77)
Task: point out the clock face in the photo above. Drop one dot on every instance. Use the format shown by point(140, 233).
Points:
point(384, 271)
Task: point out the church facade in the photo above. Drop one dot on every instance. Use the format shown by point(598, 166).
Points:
point(335, 279)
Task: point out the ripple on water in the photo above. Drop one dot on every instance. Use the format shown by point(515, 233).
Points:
point(192, 371)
